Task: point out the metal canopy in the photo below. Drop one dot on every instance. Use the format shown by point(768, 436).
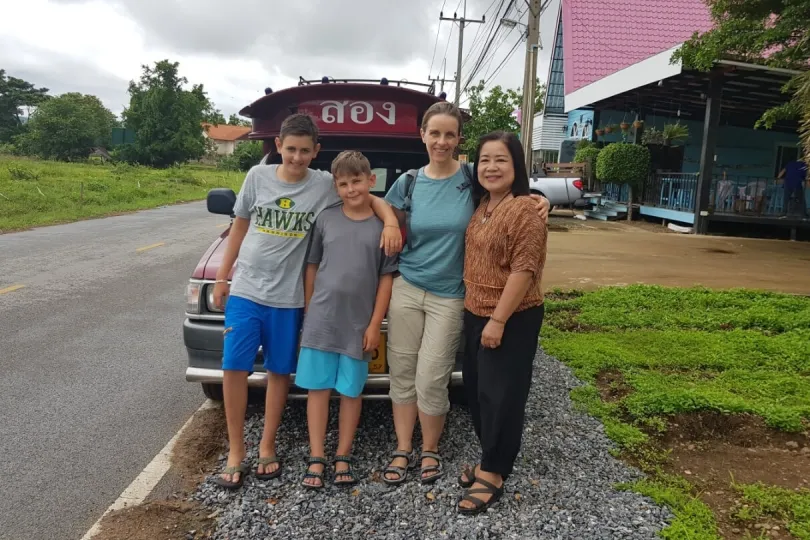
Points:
point(748, 91)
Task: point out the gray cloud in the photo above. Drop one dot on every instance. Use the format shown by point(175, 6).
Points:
point(61, 73)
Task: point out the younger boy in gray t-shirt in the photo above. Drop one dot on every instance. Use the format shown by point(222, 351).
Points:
point(347, 288)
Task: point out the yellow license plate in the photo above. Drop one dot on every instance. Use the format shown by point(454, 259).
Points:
point(378, 358)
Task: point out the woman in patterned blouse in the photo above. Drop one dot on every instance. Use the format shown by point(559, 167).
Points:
point(503, 266)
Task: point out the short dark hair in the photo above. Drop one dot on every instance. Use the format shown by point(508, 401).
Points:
point(442, 107)
point(299, 124)
point(521, 184)
point(350, 163)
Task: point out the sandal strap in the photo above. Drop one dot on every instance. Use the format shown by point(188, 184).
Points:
point(431, 468)
point(492, 487)
point(344, 459)
point(402, 454)
point(473, 499)
point(395, 469)
point(268, 460)
point(314, 459)
point(432, 455)
point(313, 474)
point(233, 469)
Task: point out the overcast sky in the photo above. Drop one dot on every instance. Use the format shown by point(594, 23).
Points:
point(236, 48)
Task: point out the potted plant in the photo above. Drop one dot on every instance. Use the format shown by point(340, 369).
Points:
point(599, 132)
point(624, 126)
point(675, 132)
point(638, 123)
point(609, 128)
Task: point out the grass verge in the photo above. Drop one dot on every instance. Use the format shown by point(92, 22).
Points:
point(648, 353)
point(36, 192)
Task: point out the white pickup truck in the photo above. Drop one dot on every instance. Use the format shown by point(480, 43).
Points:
point(562, 187)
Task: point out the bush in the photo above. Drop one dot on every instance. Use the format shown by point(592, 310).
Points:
point(8, 149)
point(623, 163)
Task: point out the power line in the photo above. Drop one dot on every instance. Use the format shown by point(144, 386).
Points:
point(488, 46)
point(504, 61)
point(476, 39)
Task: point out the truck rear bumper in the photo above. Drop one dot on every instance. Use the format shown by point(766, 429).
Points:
point(203, 340)
point(376, 385)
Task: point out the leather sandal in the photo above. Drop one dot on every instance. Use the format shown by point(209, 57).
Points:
point(480, 506)
point(467, 472)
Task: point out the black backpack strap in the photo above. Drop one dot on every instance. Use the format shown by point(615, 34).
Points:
point(466, 168)
point(410, 183)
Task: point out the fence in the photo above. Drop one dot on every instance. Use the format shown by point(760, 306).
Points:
point(673, 191)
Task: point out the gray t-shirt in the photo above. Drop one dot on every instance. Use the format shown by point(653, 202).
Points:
point(350, 262)
point(269, 269)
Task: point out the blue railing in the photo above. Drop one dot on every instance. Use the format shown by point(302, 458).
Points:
point(743, 195)
point(673, 191)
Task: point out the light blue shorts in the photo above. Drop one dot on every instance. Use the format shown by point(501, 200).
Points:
point(321, 370)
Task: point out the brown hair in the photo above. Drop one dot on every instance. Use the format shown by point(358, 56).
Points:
point(299, 124)
point(442, 107)
point(351, 163)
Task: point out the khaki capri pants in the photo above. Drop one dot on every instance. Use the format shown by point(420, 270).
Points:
point(424, 332)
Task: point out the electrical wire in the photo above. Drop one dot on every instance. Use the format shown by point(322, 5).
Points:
point(487, 47)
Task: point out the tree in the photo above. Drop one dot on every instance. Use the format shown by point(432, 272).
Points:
point(166, 118)
point(14, 95)
point(773, 32)
point(234, 120)
point(493, 111)
point(68, 127)
point(214, 116)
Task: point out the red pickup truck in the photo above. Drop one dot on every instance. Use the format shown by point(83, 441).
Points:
point(382, 121)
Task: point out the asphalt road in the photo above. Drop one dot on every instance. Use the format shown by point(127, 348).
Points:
point(91, 361)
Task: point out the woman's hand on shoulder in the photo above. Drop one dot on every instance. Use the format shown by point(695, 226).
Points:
point(543, 207)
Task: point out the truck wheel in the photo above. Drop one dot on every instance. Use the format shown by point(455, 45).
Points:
point(213, 391)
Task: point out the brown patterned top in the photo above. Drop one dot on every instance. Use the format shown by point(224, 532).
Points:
point(512, 239)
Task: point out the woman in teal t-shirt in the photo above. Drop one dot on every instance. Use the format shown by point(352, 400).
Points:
point(425, 316)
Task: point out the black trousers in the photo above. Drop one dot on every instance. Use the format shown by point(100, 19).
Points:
point(497, 382)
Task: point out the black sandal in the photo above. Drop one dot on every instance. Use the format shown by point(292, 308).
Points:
point(312, 474)
point(348, 460)
point(265, 461)
point(468, 472)
point(401, 472)
point(480, 506)
point(430, 468)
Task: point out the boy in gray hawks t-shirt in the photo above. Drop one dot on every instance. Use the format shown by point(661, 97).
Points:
point(347, 286)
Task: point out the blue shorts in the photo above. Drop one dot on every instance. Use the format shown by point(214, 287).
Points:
point(248, 325)
point(320, 370)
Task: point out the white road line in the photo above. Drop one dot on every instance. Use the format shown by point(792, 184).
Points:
point(142, 486)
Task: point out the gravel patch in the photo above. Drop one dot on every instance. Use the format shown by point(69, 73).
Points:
point(562, 486)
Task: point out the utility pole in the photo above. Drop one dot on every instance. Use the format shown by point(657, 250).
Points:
point(441, 80)
point(530, 80)
point(462, 22)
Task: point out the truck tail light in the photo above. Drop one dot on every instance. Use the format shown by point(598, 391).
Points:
point(578, 184)
point(193, 298)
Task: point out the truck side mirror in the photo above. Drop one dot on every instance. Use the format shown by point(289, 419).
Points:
point(221, 201)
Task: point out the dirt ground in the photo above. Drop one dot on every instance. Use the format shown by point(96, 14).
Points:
point(715, 451)
point(590, 254)
point(167, 514)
